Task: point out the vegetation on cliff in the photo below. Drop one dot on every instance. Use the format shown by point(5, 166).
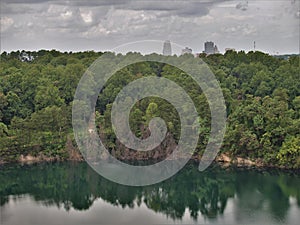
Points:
point(262, 95)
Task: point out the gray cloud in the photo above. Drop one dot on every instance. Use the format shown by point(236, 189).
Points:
point(12, 8)
point(184, 8)
point(242, 5)
point(24, 1)
point(105, 24)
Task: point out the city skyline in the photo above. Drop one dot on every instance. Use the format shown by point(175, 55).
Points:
point(161, 48)
point(103, 25)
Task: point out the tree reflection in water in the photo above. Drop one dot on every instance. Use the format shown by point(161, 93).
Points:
point(75, 185)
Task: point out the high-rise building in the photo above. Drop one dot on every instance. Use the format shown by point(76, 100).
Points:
point(167, 50)
point(186, 50)
point(216, 50)
point(210, 48)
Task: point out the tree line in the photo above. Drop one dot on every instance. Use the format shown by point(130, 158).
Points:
point(262, 95)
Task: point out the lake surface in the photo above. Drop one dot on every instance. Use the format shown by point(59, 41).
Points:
point(72, 193)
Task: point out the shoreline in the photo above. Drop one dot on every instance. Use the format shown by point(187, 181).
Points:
point(222, 159)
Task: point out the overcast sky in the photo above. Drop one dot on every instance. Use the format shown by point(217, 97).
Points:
point(104, 24)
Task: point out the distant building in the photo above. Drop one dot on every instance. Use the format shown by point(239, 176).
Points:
point(216, 50)
point(25, 57)
point(229, 49)
point(167, 50)
point(210, 48)
point(186, 50)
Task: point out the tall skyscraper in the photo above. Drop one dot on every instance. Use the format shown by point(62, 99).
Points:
point(167, 50)
point(209, 47)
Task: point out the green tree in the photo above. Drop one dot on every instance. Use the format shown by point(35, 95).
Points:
point(47, 95)
point(3, 130)
point(151, 111)
point(289, 154)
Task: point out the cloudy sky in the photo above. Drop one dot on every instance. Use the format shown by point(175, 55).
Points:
point(100, 25)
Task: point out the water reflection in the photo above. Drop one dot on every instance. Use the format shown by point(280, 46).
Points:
point(232, 195)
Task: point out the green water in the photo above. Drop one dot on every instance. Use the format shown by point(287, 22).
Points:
point(72, 193)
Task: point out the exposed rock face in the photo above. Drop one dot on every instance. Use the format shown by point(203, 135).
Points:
point(33, 159)
point(121, 152)
point(74, 154)
point(242, 161)
point(166, 148)
point(159, 153)
point(28, 158)
point(238, 161)
point(223, 158)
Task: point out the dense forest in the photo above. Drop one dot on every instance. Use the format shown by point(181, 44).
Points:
point(262, 95)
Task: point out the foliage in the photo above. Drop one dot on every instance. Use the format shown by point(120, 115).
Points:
point(262, 95)
point(289, 153)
